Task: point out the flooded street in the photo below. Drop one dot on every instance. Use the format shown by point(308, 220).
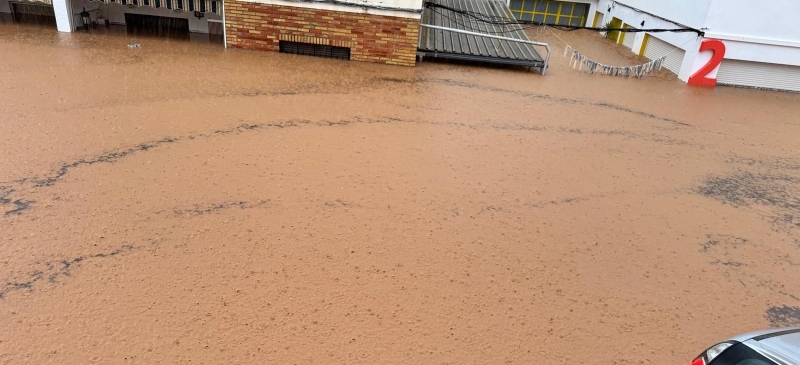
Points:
point(180, 203)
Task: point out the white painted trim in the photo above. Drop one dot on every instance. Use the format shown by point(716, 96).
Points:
point(224, 28)
point(64, 15)
point(767, 41)
point(343, 8)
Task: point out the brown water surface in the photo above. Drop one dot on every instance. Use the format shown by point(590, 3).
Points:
point(180, 203)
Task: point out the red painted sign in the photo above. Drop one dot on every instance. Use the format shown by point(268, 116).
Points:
point(700, 77)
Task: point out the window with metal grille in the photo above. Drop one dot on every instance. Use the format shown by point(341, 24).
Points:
point(319, 50)
point(550, 12)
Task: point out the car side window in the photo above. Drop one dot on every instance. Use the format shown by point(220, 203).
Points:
point(741, 354)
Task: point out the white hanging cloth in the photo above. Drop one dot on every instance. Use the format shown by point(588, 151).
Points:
point(580, 61)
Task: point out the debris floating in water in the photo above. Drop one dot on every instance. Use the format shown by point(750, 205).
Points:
point(135, 45)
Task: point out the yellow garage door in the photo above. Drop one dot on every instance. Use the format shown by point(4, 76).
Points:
point(598, 16)
point(615, 34)
point(550, 12)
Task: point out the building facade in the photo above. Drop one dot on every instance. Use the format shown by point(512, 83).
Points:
point(759, 42)
point(744, 43)
point(181, 18)
point(381, 31)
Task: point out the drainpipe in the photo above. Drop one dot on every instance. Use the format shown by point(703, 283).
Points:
point(224, 27)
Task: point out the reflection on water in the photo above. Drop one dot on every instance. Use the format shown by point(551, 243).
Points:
point(137, 30)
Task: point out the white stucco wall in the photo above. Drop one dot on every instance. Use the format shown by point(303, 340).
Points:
point(688, 12)
point(634, 18)
point(751, 30)
point(404, 4)
point(774, 19)
point(757, 31)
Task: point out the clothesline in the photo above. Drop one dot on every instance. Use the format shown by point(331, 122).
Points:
point(580, 61)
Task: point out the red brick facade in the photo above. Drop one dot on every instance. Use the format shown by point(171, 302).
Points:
point(372, 38)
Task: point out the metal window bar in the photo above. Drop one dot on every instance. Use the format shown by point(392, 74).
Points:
point(557, 14)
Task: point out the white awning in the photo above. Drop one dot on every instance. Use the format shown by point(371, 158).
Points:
point(204, 6)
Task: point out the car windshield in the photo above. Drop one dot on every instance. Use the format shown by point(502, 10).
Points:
point(741, 354)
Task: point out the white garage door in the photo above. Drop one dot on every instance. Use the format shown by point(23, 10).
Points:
point(629, 37)
point(657, 48)
point(757, 74)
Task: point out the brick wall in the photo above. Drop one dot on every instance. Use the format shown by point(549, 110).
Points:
point(371, 38)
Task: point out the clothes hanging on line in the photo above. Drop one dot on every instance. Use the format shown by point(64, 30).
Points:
point(582, 62)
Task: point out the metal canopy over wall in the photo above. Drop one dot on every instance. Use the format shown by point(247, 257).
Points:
point(450, 34)
point(204, 6)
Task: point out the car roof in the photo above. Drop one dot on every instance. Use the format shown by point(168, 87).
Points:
point(763, 333)
point(782, 345)
point(786, 344)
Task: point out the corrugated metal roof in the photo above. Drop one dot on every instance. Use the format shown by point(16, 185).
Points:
point(464, 46)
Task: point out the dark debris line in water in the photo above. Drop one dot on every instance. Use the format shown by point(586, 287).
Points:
point(203, 209)
point(778, 191)
point(109, 157)
point(783, 316)
point(54, 270)
point(19, 204)
point(12, 187)
point(745, 188)
point(774, 163)
point(715, 240)
point(544, 97)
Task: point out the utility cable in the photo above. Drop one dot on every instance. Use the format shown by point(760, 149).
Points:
point(354, 4)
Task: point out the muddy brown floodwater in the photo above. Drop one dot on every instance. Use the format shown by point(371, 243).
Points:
point(184, 204)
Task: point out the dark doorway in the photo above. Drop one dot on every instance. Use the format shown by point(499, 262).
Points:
point(157, 26)
point(33, 14)
point(216, 31)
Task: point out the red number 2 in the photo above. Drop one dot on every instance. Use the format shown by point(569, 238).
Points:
point(699, 77)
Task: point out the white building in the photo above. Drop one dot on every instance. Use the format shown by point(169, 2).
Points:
point(380, 31)
point(759, 41)
point(196, 17)
point(761, 38)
